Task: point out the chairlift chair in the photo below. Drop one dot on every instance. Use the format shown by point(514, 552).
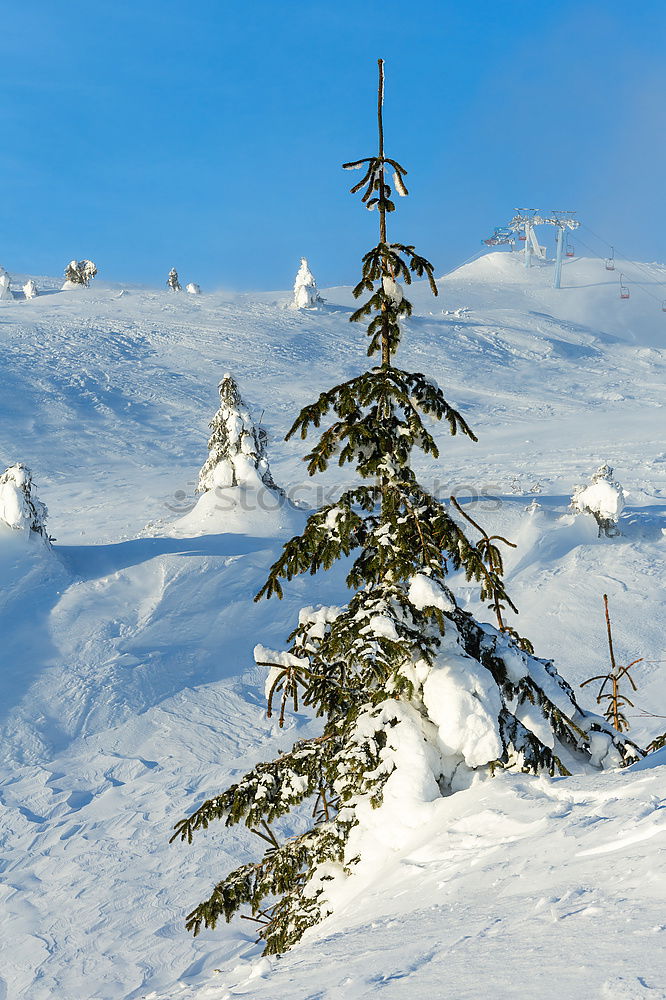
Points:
point(624, 291)
point(663, 306)
point(610, 261)
point(570, 252)
point(500, 237)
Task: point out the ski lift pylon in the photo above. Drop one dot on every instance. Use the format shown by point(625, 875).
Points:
point(624, 291)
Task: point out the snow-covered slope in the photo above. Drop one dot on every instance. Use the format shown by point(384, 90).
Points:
point(128, 691)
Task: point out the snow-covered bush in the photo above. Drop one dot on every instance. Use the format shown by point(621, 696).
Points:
point(306, 295)
point(236, 447)
point(603, 498)
point(5, 285)
point(416, 697)
point(173, 281)
point(193, 288)
point(19, 508)
point(30, 289)
point(79, 273)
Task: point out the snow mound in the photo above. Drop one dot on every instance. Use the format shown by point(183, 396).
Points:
point(239, 510)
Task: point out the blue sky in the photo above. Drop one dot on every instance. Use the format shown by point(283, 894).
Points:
point(143, 136)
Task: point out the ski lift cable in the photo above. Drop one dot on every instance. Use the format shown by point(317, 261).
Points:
point(627, 266)
point(479, 253)
point(602, 240)
point(636, 266)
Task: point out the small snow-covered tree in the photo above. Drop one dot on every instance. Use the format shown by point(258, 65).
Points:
point(30, 289)
point(88, 270)
point(237, 446)
point(172, 280)
point(306, 295)
point(72, 276)
point(603, 498)
point(19, 508)
point(416, 696)
point(5, 285)
point(193, 288)
point(79, 272)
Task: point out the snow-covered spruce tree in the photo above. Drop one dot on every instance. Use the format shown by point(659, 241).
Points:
point(193, 288)
point(5, 285)
point(79, 272)
point(30, 289)
point(416, 697)
point(603, 498)
point(306, 295)
point(172, 280)
point(237, 446)
point(19, 508)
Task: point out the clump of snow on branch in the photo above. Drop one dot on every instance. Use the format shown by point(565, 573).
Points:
point(79, 274)
point(425, 593)
point(392, 290)
point(306, 295)
point(603, 498)
point(464, 703)
point(30, 289)
point(20, 510)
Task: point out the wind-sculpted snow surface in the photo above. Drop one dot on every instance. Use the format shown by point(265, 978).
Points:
point(514, 889)
point(128, 694)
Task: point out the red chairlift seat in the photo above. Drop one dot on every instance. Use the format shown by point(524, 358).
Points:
point(522, 237)
point(624, 292)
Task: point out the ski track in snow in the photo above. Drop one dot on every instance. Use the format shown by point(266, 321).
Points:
point(128, 690)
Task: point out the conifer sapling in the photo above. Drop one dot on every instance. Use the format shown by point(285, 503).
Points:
point(236, 447)
point(609, 692)
point(603, 498)
point(306, 295)
point(172, 280)
point(19, 507)
point(415, 696)
point(5, 285)
point(79, 273)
